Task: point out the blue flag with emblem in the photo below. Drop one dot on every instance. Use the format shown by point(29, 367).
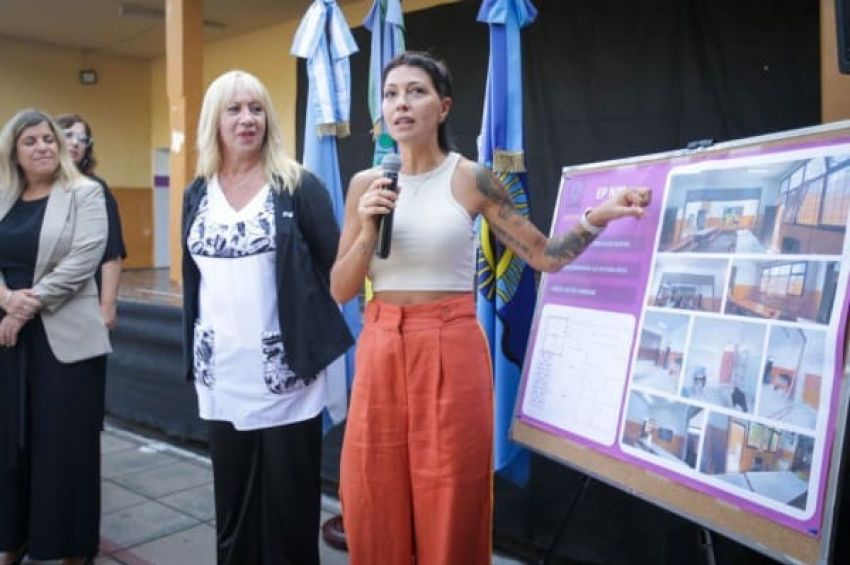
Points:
point(324, 39)
point(506, 292)
point(385, 21)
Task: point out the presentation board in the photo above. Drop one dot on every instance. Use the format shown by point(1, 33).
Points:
point(695, 357)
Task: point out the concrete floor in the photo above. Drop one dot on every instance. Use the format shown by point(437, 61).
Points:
point(157, 506)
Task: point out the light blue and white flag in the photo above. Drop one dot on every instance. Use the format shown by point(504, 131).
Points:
point(324, 39)
point(385, 21)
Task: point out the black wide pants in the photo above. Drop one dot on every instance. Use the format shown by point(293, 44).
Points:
point(267, 493)
point(50, 420)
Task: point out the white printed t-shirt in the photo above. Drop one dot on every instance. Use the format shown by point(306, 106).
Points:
point(242, 374)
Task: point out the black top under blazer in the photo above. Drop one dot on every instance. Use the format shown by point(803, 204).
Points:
point(313, 329)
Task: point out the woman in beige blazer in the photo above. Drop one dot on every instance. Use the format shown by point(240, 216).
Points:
point(52, 237)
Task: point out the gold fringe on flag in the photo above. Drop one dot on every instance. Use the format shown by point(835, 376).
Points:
point(508, 161)
point(336, 129)
point(323, 130)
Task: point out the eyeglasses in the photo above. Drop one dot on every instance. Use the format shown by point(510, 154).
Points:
point(82, 139)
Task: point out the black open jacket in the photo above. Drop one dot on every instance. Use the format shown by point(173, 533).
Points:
point(313, 329)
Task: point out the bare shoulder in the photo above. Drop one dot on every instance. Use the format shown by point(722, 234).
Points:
point(362, 179)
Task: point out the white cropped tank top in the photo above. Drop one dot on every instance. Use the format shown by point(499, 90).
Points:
point(433, 243)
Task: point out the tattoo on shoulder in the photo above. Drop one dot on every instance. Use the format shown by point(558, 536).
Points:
point(568, 246)
point(490, 187)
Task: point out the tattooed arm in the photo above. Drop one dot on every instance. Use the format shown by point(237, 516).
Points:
point(540, 252)
point(366, 201)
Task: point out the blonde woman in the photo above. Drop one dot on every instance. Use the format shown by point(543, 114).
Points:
point(52, 339)
point(259, 239)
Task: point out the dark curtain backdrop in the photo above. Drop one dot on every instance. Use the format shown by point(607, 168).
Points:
point(604, 80)
point(616, 78)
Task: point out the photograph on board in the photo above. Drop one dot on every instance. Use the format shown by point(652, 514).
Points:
point(666, 430)
point(723, 361)
point(773, 204)
point(791, 383)
point(788, 290)
point(687, 284)
point(759, 459)
point(661, 350)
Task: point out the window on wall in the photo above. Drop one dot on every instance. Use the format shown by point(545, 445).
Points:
point(786, 279)
point(791, 187)
point(815, 168)
point(793, 202)
point(818, 193)
point(835, 160)
point(797, 279)
point(796, 178)
point(836, 200)
point(810, 203)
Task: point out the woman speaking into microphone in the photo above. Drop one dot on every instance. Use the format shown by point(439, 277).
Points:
point(415, 476)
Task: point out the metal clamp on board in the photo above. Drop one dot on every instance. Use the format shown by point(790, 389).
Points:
point(698, 144)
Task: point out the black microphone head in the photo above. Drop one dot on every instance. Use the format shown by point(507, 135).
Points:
point(391, 163)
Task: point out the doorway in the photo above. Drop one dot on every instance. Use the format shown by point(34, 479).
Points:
point(161, 188)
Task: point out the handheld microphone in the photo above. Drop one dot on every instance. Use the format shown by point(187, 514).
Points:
point(391, 166)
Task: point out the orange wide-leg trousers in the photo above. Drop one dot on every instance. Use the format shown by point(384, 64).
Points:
point(415, 477)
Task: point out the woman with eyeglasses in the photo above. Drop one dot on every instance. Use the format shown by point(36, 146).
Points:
point(78, 138)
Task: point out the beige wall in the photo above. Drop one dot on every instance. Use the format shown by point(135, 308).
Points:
point(158, 127)
point(264, 53)
point(260, 53)
point(128, 108)
point(118, 106)
point(835, 87)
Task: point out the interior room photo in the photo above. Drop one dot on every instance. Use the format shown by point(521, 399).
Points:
point(667, 429)
point(792, 380)
point(687, 284)
point(766, 206)
point(759, 459)
point(723, 361)
point(660, 354)
point(795, 291)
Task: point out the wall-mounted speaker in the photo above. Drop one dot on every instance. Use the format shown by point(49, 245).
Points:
point(842, 21)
